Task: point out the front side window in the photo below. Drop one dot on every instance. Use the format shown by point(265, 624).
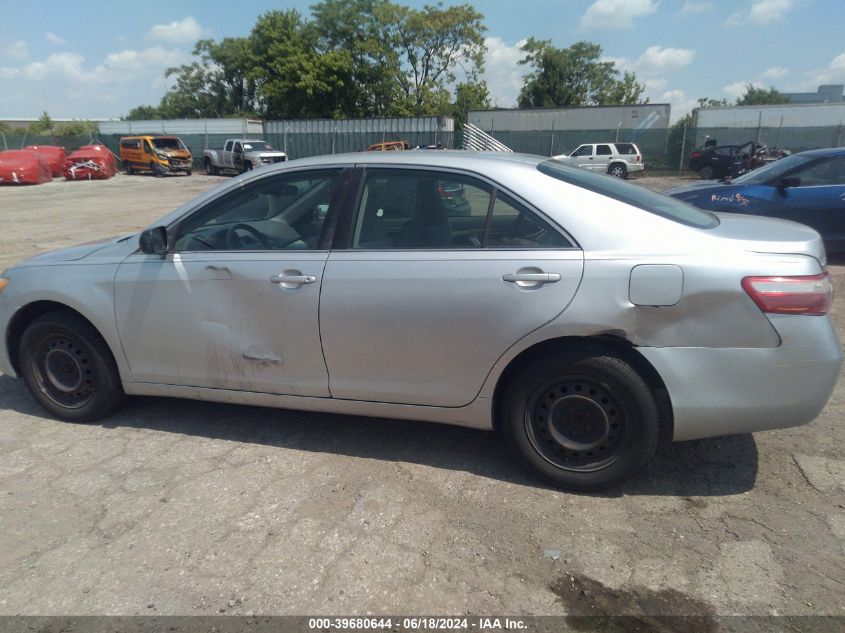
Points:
point(285, 212)
point(584, 150)
point(822, 173)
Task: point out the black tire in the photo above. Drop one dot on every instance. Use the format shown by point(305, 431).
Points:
point(156, 172)
point(210, 169)
point(618, 170)
point(707, 173)
point(69, 369)
point(247, 166)
point(583, 420)
point(188, 173)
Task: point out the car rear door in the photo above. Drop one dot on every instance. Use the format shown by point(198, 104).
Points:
point(601, 161)
point(417, 305)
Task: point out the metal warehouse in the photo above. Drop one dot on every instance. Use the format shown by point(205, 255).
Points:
point(787, 116)
point(648, 116)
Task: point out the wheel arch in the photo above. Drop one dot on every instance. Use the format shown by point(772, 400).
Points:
point(614, 344)
point(31, 311)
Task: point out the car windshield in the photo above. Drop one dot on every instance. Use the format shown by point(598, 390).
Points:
point(775, 170)
point(260, 146)
point(640, 197)
point(168, 143)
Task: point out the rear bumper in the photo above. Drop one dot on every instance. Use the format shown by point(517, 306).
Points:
point(727, 391)
point(635, 167)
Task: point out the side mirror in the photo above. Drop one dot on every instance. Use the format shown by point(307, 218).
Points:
point(153, 241)
point(790, 181)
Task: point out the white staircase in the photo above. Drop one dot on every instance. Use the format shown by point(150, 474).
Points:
point(477, 139)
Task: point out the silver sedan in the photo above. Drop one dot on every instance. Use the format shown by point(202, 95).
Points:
point(582, 317)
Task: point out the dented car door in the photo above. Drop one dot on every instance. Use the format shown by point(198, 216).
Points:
point(234, 305)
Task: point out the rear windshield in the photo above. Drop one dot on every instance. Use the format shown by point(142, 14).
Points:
point(640, 197)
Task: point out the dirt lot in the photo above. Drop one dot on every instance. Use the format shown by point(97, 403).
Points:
point(177, 507)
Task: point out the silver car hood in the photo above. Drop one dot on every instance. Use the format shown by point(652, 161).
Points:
point(770, 235)
point(112, 249)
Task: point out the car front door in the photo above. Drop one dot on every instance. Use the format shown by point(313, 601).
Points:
point(227, 155)
point(583, 157)
point(818, 200)
point(235, 304)
point(418, 304)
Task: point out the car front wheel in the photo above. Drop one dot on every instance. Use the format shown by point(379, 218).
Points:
point(707, 173)
point(583, 420)
point(68, 368)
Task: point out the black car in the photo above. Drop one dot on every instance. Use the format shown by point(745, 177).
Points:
point(721, 161)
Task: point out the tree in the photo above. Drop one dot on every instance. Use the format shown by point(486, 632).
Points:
point(573, 76)
point(704, 102)
point(676, 140)
point(761, 96)
point(432, 44)
point(469, 96)
point(357, 26)
point(143, 113)
point(43, 126)
point(76, 128)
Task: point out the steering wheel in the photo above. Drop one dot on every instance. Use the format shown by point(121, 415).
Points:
point(233, 240)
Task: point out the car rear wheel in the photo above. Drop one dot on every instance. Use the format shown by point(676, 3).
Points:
point(210, 169)
point(707, 173)
point(68, 368)
point(618, 170)
point(583, 420)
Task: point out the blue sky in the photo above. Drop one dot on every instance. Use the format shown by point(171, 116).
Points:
point(98, 59)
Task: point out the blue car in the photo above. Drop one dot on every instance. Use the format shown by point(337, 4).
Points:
point(808, 188)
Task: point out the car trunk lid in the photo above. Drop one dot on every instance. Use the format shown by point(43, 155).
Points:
point(770, 235)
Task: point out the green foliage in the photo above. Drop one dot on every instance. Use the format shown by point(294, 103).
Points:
point(573, 76)
point(704, 102)
point(143, 113)
point(355, 58)
point(469, 96)
point(43, 126)
point(76, 128)
point(676, 140)
point(761, 96)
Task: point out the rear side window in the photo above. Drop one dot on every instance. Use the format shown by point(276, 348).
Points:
point(636, 196)
point(131, 144)
point(603, 150)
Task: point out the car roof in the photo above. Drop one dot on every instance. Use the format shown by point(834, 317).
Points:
point(443, 158)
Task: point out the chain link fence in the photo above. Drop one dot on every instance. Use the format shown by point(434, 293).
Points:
point(663, 150)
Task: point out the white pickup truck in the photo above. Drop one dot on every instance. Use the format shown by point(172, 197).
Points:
point(241, 154)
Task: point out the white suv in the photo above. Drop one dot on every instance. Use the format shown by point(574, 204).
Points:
point(616, 159)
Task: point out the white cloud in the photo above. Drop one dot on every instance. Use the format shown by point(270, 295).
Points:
point(833, 73)
point(659, 58)
point(67, 85)
point(55, 39)
point(503, 73)
point(15, 50)
point(774, 73)
point(692, 7)
point(737, 89)
point(187, 30)
point(616, 14)
point(761, 12)
point(680, 102)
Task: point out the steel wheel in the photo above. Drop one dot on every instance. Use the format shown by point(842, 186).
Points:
point(64, 371)
point(576, 425)
point(582, 418)
point(707, 172)
point(68, 368)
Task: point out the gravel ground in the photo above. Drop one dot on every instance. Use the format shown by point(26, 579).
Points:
point(178, 507)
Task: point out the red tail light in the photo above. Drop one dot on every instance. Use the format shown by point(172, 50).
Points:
point(808, 294)
point(695, 154)
point(639, 158)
